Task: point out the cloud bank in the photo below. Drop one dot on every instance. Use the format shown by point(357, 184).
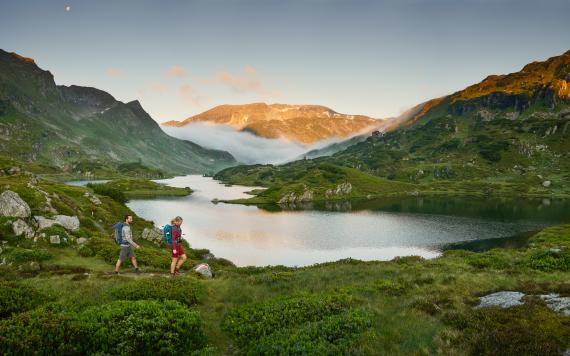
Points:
point(244, 146)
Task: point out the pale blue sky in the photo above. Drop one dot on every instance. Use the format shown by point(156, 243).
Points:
point(375, 58)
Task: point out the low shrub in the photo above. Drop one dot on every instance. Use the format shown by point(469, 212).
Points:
point(251, 322)
point(528, 329)
point(120, 327)
point(184, 290)
point(104, 189)
point(17, 298)
point(549, 260)
point(21, 255)
point(334, 335)
point(390, 287)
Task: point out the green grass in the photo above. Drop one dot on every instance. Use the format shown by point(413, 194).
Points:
point(141, 188)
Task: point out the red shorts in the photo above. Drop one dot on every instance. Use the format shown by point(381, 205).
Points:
point(179, 251)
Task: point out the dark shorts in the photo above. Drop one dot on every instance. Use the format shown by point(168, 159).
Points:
point(126, 252)
point(178, 252)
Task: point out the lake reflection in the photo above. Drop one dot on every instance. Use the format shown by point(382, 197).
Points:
point(368, 230)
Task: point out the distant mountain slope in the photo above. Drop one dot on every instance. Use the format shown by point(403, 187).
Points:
point(506, 134)
point(300, 123)
point(65, 126)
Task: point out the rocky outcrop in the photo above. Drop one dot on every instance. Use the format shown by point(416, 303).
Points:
point(557, 303)
point(12, 205)
point(504, 299)
point(70, 223)
point(92, 198)
point(340, 190)
point(292, 197)
point(44, 223)
point(204, 270)
point(20, 227)
point(153, 234)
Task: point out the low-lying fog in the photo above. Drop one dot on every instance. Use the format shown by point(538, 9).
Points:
point(244, 146)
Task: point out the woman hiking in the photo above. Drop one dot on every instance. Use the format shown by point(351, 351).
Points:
point(178, 255)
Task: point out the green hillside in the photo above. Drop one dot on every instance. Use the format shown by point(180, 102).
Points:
point(70, 127)
point(508, 135)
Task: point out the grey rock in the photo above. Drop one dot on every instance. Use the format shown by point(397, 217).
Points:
point(54, 239)
point(557, 303)
point(504, 299)
point(208, 256)
point(95, 200)
point(81, 241)
point(204, 270)
point(546, 184)
point(153, 234)
point(34, 266)
point(12, 205)
point(70, 223)
point(20, 227)
point(44, 223)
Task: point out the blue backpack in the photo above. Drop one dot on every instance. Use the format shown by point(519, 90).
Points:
point(167, 230)
point(118, 228)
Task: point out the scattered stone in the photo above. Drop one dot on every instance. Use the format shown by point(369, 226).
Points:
point(81, 241)
point(341, 189)
point(557, 303)
point(14, 170)
point(292, 197)
point(204, 270)
point(34, 266)
point(208, 256)
point(503, 299)
point(70, 223)
point(54, 239)
point(44, 223)
point(12, 205)
point(20, 227)
point(546, 184)
point(153, 234)
point(95, 200)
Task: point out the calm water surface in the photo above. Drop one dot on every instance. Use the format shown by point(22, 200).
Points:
point(366, 230)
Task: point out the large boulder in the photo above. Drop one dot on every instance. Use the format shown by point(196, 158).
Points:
point(70, 223)
point(204, 270)
point(20, 227)
point(44, 223)
point(153, 234)
point(504, 299)
point(12, 205)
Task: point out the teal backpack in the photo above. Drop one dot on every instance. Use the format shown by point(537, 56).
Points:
point(167, 230)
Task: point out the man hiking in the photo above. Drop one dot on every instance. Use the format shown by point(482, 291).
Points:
point(127, 244)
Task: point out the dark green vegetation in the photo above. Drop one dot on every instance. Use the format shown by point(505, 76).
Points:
point(123, 189)
point(85, 131)
point(506, 136)
point(64, 298)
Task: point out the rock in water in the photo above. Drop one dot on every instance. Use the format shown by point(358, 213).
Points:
point(12, 205)
point(504, 299)
point(204, 270)
point(70, 223)
point(154, 234)
point(21, 228)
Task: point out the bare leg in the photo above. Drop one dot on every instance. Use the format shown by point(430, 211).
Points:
point(117, 265)
point(181, 261)
point(134, 262)
point(173, 264)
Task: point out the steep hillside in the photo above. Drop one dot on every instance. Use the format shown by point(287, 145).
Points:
point(67, 126)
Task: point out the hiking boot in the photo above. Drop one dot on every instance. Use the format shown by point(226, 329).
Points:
point(116, 273)
point(137, 271)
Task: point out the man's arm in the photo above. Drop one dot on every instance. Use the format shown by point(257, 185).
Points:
point(128, 236)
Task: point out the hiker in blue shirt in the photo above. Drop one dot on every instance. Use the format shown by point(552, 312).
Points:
point(127, 245)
